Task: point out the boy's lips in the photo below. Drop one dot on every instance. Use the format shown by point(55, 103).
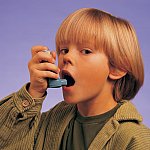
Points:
point(65, 74)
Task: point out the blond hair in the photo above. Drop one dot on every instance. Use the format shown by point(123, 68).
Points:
point(112, 35)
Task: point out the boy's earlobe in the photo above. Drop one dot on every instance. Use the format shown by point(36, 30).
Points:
point(116, 74)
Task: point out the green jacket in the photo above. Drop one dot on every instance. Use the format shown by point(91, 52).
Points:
point(22, 127)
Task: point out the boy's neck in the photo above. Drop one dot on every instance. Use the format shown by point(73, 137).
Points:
point(93, 108)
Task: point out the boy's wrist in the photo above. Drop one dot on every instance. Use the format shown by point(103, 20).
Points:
point(34, 93)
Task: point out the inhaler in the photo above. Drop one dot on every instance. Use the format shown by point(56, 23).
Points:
point(55, 83)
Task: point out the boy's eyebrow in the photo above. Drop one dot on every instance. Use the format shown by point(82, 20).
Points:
point(82, 45)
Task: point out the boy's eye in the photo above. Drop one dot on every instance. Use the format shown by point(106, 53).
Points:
point(86, 51)
point(63, 51)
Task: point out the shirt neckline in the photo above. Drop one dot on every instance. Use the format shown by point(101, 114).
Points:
point(98, 118)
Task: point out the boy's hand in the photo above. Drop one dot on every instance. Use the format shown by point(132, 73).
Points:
point(41, 66)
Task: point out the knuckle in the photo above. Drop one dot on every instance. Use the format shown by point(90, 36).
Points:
point(51, 59)
point(33, 49)
point(29, 64)
point(52, 67)
point(38, 54)
point(45, 74)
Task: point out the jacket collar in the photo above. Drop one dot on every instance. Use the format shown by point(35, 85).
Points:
point(126, 112)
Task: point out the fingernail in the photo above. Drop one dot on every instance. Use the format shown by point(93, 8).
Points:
point(47, 51)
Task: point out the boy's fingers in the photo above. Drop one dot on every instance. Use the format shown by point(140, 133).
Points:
point(53, 54)
point(48, 67)
point(38, 48)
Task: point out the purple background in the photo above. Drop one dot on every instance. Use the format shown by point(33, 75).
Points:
point(24, 23)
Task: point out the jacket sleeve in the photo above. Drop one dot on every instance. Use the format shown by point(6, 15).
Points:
point(19, 118)
point(140, 140)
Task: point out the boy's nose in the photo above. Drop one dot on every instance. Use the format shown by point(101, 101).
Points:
point(68, 58)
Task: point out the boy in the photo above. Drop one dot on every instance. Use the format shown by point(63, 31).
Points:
point(100, 57)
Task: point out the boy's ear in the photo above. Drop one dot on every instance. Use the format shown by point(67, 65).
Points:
point(116, 73)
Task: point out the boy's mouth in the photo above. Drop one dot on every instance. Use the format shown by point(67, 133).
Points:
point(70, 80)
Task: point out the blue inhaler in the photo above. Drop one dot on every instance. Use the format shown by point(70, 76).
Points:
point(55, 83)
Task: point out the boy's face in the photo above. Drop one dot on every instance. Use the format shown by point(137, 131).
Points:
point(86, 71)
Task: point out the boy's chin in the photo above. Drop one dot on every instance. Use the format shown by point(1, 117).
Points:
point(70, 101)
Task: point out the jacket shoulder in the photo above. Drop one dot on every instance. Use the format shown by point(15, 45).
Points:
point(131, 132)
point(135, 135)
point(133, 128)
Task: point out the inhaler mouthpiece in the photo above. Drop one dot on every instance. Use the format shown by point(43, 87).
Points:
point(56, 83)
